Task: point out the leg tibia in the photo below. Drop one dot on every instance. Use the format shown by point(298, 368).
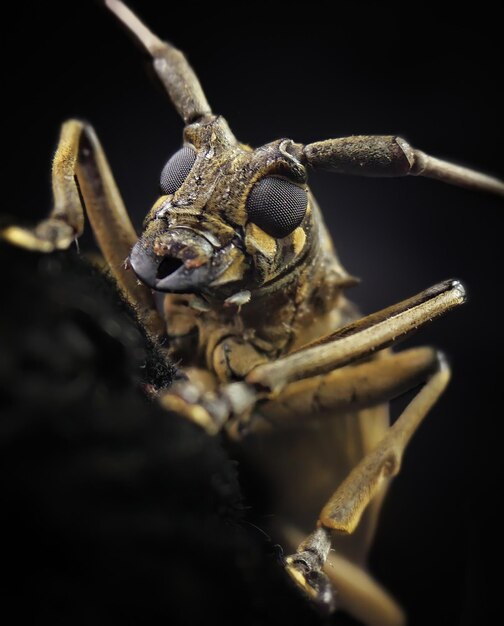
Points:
point(350, 388)
point(345, 507)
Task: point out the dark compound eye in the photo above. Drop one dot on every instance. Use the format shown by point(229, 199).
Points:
point(276, 205)
point(177, 170)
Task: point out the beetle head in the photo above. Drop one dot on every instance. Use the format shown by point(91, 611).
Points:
point(230, 217)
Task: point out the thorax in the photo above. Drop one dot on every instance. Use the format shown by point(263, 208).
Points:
point(306, 305)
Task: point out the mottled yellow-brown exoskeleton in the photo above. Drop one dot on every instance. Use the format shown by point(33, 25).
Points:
point(254, 311)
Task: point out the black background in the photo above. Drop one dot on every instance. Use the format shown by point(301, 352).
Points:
point(311, 75)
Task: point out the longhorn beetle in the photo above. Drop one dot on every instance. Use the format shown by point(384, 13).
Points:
point(255, 312)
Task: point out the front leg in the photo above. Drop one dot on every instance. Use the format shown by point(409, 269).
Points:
point(260, 380)
point(82, 180)
point(202, 400)
point(359, 340)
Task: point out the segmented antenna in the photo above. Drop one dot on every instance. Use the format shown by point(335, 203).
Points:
point(170, 64)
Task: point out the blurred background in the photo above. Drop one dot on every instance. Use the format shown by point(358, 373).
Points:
point(311, 74)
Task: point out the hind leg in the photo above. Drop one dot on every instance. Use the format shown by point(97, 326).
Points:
point(345, 507)
point(358, 593)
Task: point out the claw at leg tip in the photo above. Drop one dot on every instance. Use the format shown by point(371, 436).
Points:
point(313, 583)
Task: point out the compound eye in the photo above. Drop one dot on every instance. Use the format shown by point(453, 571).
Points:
point(277, 206)
point(177, 170)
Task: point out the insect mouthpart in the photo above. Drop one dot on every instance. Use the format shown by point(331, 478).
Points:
point(178, 261)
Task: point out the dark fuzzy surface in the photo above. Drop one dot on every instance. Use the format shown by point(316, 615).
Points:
point(114, 511)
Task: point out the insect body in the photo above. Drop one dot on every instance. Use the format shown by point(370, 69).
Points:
point(255, 312)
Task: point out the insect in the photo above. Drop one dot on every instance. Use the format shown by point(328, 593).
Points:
point(238, 231)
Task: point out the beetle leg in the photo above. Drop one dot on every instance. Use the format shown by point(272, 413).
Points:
point(360, 339)
point(345, 507)
point(212, 409)
point(359, 594)
point(213, 406)
point(350, 343)
point(347, 389)
point(82, 179)
point(390, 156)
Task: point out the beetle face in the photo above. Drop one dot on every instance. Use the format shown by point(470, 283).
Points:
point(229, 217)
